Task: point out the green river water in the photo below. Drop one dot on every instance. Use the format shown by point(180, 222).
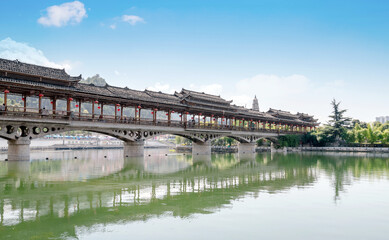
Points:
point(101, 195)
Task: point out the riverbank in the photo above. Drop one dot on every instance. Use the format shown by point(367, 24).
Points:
point(234, 149)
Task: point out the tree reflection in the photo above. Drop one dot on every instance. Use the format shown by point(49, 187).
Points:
point(33, 203)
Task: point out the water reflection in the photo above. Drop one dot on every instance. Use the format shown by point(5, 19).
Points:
point(50, 198)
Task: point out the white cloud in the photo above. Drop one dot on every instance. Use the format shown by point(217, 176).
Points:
point(112, 26)
point(10, 49)
point(132, 19)
point(165, 88)
point(62, 15)
point(215, 89)
point(270, 87)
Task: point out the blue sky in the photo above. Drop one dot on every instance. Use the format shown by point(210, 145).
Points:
point(294, 55)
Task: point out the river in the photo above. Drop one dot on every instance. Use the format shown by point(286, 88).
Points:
point(101, 195)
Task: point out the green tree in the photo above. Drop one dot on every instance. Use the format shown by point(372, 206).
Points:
point(372, 134)
point(336, 129)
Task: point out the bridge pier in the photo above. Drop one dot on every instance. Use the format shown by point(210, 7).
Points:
point(201, 148)
point(19, 150)
point(133, 149)
point(246, 148)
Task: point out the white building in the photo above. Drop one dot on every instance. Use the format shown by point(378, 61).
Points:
point(382, 119)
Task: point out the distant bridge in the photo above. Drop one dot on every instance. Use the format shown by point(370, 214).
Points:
point(54, 102)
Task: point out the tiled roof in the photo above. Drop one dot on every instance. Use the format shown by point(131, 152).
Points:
point(35, 70)
point(203, 96)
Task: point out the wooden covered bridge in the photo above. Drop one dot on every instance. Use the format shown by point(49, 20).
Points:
point(39, 101)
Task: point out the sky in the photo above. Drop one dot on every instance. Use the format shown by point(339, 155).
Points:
point(294, 55)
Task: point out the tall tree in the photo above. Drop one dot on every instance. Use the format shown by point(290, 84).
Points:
point(337, 125)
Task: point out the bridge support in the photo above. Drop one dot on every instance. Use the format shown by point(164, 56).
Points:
point(133, 149)
point(246, 148)
point(19, 150)
point(201, 148)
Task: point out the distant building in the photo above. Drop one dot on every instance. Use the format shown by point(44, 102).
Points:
point(255, 104)
point(382, 119)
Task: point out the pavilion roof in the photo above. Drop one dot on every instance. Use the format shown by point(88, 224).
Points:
point(163, 96)
point(16, 66)
point(280, 113)
point(201, 96)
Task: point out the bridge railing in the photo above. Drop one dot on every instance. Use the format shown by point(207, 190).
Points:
point(69, 115)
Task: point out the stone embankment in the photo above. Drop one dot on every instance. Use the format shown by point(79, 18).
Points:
point(234, 149)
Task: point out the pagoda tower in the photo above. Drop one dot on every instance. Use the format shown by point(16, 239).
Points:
point(255, 104)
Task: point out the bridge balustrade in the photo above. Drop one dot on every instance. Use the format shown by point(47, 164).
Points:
point(70, 115)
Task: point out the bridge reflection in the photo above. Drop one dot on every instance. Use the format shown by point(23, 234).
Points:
point(110, 190)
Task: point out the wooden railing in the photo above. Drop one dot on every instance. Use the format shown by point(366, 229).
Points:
point(35, 113)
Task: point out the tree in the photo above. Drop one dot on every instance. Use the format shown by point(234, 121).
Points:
point(336, 129)
point(373, 133)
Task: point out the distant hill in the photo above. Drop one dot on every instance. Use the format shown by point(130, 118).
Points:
point(96, 80)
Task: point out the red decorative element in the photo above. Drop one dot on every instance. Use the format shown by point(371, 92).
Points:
point(233, 117)
point(187, 113)
point(192, 117)
point(152, 112)
point(98, 107)
point(96, 101)
point(180, 115)
point(118, 109)
point(172, 111)
point(200, 114)
point(76, 105)
point(118, 105)
point(139, 107)
point(6, 91)
point(52, 102)
point(70, 99)
point(212, 115)
point(40, 95)
point(22, 99)
point(136, 110)
point(214, 119)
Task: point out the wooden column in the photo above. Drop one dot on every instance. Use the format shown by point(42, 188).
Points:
point(25, 102)
point(169, 117)
point(79, 108)
point(199, 116)
point(68, 106)
point(211, 120)
point(116, 111)
point(155, 116)
point(121, 113)
point(6, 91)
point(54, 107)
point(40, 102)
point(102, 111)
point(93, 109)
